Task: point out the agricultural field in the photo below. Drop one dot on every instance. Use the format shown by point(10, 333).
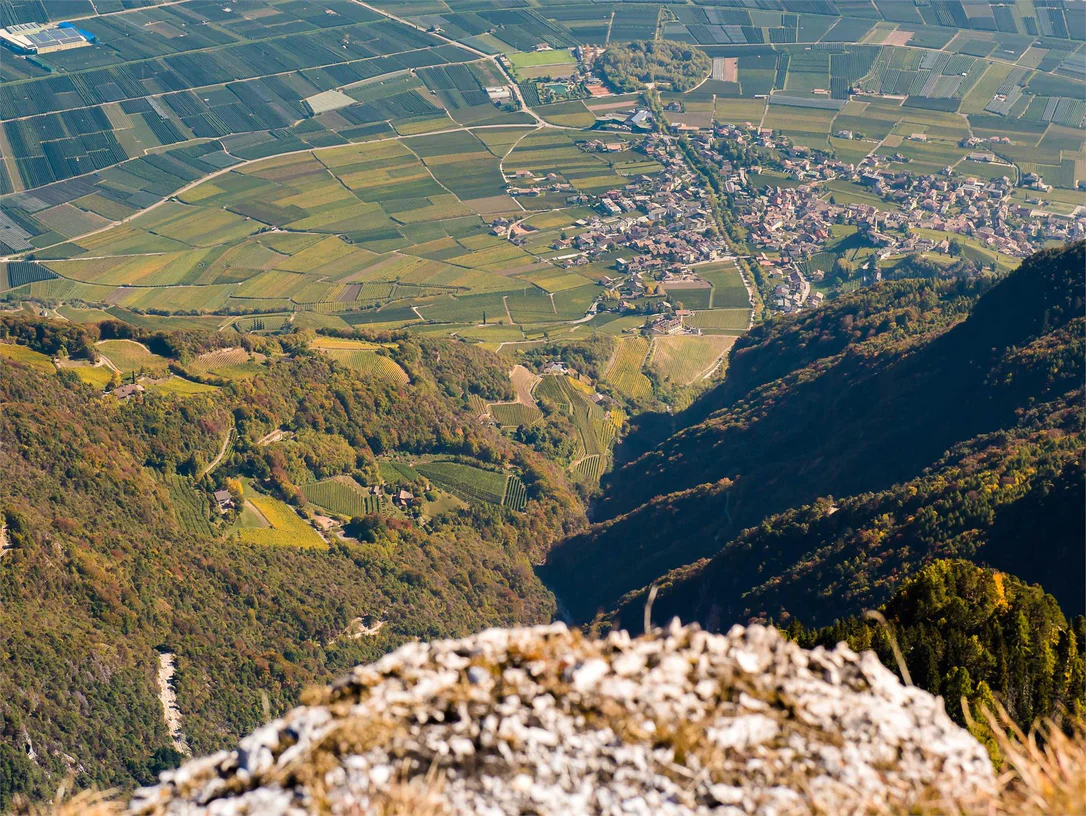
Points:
point(523, 410)
point(597, 428)
point(720, 321)
point(685, 360)
point(180, 387)
point(227, 363)
point(97, 377)
point(336, 167)
point(624, 371)
point(389, 232)
point(344, 496)
point(271, 523)
point(128, 356)
point(190, 505)
point(474, 484)
point(28, 357)
point(364, 358)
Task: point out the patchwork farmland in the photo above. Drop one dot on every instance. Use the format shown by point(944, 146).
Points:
point(342, 163)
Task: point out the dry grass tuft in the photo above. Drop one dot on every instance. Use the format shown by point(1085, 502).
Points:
point(1043, 774)
point(1044, 771)
point(85, 803)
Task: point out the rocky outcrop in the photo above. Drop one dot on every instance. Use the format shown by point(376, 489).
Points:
point(546, 721)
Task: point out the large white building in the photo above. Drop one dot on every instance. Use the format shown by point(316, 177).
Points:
point(43, 38)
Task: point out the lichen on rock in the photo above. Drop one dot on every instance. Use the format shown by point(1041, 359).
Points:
point(544, 720)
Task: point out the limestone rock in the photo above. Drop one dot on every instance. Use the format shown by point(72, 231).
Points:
point(546, 721)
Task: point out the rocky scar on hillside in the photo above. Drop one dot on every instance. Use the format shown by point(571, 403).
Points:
point(545, 721)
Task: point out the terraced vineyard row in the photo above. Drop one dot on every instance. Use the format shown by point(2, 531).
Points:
point(190, 505)
point(624, 371)
point(516, 494)
point(344, 496)
point(370, 363)
point(596, 428)
point(467, 482)
point(515, 414)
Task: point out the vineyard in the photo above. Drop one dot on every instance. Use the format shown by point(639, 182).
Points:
point(475, 484)
point(397, 473)
point(128, 355)
point(343, 496)
point(723, 319)
point(596, 428)
point(189, 505)
point(369, 363)
point(287, 528)
point(20, 273)
point(516, 494)
point(685, 360)
point(514, 414)
point(624, 370)
point(228, 363)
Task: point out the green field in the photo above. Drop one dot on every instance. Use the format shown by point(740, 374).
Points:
point(475, 484)
point(343, 496)
point(128, 356)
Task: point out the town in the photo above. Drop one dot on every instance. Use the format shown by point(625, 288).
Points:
point(663, 227)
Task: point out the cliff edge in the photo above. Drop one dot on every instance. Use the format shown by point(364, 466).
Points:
point(546, 721)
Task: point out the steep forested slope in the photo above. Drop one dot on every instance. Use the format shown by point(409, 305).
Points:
point(968, 632)
point(935, 433)
point(100, 572)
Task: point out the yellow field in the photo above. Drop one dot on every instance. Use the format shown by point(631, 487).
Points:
point(181, 387)
point(685, 360)
point(287, 527)
point(27, 356)
point(95, 376)
point(624, 370)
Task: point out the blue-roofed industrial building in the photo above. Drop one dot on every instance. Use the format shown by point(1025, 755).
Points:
point(43, 38)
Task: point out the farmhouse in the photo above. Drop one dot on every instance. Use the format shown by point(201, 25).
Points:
point(126, 391)
point(499, 93)
point(223, 499)
point(39, 38)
